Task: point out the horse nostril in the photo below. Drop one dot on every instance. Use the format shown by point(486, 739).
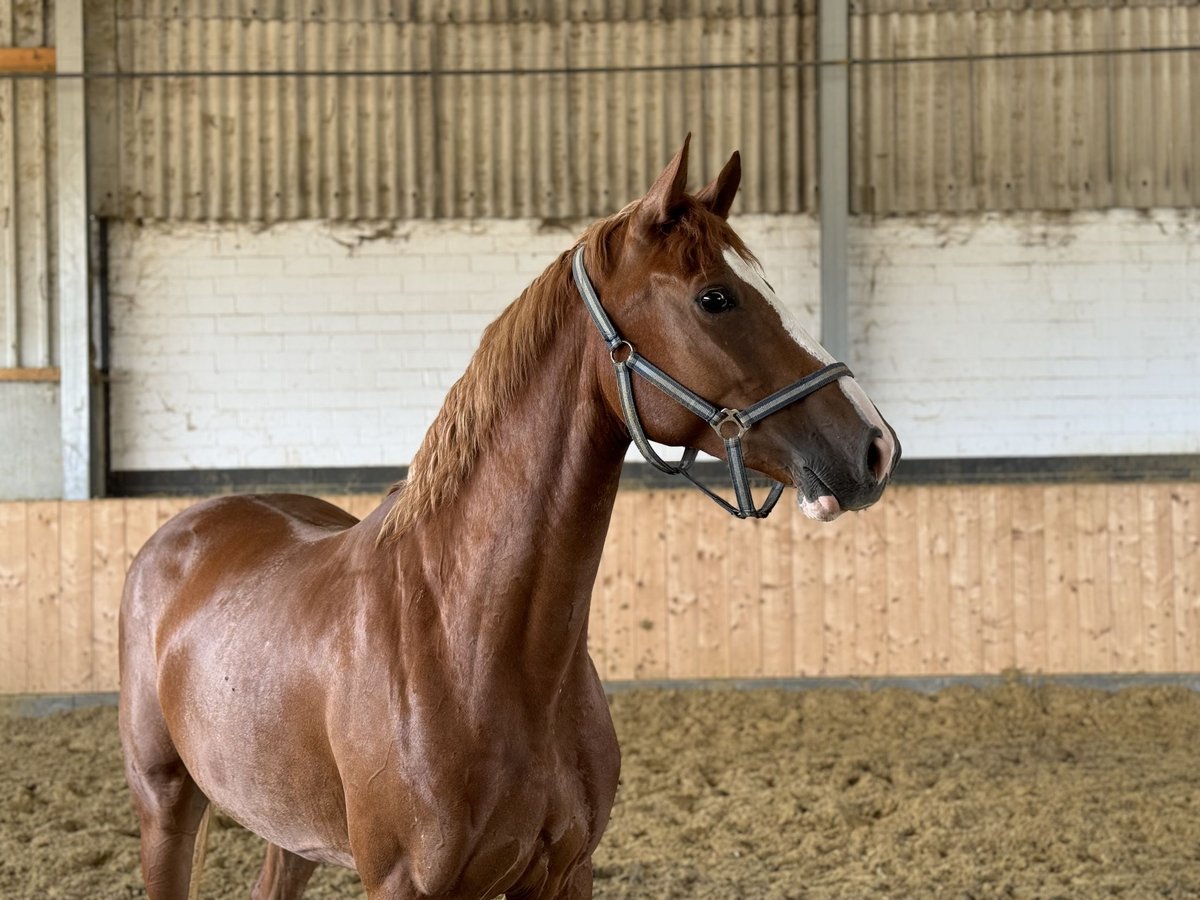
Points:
point(878, 457)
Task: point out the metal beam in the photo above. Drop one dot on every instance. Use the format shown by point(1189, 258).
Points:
point(75, 339)
point(833, 172)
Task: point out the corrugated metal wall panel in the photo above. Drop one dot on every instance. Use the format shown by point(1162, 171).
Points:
point(562, 144)
point(1042, 133)
point(1066, 132)
point(28, 328)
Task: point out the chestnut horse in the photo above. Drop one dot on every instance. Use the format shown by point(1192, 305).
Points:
point(411, 695)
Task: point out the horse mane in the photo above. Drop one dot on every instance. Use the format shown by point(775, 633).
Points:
point(509, 346)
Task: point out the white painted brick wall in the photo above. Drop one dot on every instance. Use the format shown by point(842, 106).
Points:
point(315, 345)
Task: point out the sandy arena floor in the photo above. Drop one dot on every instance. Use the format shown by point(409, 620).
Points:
point(1006, 792)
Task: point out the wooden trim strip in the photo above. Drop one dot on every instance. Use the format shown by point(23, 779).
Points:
point(26, 60)
point(49, 373)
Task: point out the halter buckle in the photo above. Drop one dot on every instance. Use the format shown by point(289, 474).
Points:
point(730, 416)
point(612, 352)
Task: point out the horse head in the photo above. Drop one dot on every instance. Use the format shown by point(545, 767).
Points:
point(678, 284)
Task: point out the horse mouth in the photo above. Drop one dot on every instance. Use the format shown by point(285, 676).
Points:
point(815, 499)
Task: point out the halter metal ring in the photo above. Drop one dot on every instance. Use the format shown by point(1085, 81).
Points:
point(729, 416)
point(612, 352)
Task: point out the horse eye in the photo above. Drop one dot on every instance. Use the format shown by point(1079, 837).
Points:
point(716, 300)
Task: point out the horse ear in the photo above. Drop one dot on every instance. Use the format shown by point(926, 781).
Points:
point(719, 193)
point(664, 201)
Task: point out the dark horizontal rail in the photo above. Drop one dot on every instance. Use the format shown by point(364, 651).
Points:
point(852, 62)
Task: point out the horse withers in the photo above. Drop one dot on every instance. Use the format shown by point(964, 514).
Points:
point(411, 695)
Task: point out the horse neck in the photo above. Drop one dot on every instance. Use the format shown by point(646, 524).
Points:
point(514, 555)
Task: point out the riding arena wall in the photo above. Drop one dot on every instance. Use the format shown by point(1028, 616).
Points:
point(932, 582)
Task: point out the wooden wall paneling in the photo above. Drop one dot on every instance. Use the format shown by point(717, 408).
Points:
point(1185, 521)
point(650, 567)
point(995, 580)
point(108, 578)
point(14, 591)
point(870, 591)
point(808, 595)
point(1062, 610)
point(1095, 610)
point(1124, 571)
point(712, 551)
point(839, 596)
point(602, 594)
point(683, 578)
point(1158, 601)
point(743, 587)
point(933, 566)
point(44, 608)
point(1029, 583)
point(618, 609)
point(141, 521)
point(903, 588)
point(774, 537)
point(965, 597)
point(166, 508)
point(76, 557)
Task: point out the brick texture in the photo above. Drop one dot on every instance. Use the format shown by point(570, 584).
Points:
point(316, 345)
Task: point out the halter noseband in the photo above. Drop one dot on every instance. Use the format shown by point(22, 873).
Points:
point(729, 424)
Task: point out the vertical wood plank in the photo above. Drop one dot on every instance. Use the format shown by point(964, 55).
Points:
point(1029, 583)
point(108, 578)
point(618, 613)
point(602, 593)
point(14, 590)
point(778, 623)
point(839, 595)
point(964, 596)
point(166, 508)
point(683, 570)
point(808, 595)
point(75, 622)
point(743, 588)
point(995, 575)
point(1124, 531)
point(933, 550)
point(904, 639)
point(870, 592)
point(44, 630)
point(1158, 600)
point(712, 600)
point(1185, 520)
point(1062, 597)
point(649, 601)
point(1095, 614)
point(141, 521)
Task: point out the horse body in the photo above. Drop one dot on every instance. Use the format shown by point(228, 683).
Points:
point(423, 709)
point(411, 695)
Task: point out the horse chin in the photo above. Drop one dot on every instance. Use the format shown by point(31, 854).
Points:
point(823, 509)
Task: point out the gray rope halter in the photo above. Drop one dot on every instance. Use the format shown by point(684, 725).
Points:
point(729, 424)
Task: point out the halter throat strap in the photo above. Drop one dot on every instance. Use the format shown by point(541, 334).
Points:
point(729, 424)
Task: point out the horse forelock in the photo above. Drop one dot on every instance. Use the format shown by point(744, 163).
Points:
point(502, 364)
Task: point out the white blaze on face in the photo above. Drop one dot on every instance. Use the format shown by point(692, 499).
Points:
point(824, 508)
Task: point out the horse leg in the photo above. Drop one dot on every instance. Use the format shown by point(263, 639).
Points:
point(283, 876)
point(169, 808)
point(578, 886)
point(169, 805)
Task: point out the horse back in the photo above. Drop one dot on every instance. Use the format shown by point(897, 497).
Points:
point(225, 540)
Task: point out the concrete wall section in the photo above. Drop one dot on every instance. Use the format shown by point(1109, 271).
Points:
point(317, 345)
point(30, 445)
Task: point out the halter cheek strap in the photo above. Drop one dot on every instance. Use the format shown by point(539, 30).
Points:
point(729, 424)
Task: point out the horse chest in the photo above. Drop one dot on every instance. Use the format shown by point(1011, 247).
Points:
point(491, 817)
